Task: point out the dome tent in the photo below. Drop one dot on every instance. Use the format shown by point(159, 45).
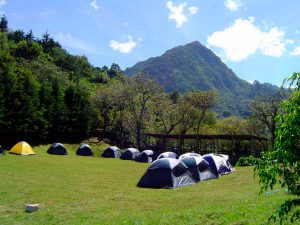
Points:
point(166, 173)
point(84, 150)
point(147, 156)
point(219, 162)
point(189, 154)
point(200, 168)
point(57, 149)
point(130, 154)
point(22, 148)
point(168, 155)
point(111, 152)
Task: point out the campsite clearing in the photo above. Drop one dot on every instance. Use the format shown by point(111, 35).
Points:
point(92, 190)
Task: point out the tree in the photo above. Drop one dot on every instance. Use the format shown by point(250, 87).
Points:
point(16, 36)
point(167, 113)
point(281, 165)
point(80, 113)
point(187, 114)
point(202, 101)
point(141, 91)
point(28, 50)
point(265, 109)
point(3, 24)
point(29, 36)
point(114, 70)
point(48, 43)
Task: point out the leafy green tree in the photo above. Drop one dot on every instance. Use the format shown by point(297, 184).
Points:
point(281, 165)
point(22, 114)
point(114, 70)
point(80, 113)
point(167, 115)
point(202, 101)
point(141, 91)
point(3, 24)
point(188, 116)
point(56, 110)
point(29, 36)
point(265, 109)
point(16, 36)
point(48, 43)
point(28, 50)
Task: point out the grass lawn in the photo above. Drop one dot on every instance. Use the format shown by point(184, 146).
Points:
point(93, 190)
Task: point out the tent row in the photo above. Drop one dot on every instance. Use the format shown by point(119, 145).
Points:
point(23, 148)
point(130, 154)
point(189, 169)
point(146, 156)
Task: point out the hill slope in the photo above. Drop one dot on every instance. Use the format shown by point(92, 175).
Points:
point(195, 67)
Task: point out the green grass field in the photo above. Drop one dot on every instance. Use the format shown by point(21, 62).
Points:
point(93, 190)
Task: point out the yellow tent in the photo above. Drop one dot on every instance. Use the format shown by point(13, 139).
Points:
point(22, 148)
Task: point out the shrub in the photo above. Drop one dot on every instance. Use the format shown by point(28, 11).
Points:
point(247, 161)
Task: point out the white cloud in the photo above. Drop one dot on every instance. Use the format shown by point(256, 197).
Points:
point(232, 5)
point(193, 10)
point(2, 2)
point(94, 5)
point(289, 41)
point(123, 47)
point(68, 40)
point(250, 81)
point(177, 12)
point(243, 39)
point(296, 51)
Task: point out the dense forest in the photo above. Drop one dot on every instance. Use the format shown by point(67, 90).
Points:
point(47, 94)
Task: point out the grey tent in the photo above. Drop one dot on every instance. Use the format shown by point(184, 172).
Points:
point(84, 150)
point(2, 151)
point(168, 155)
point(200, 168)
point(189, 154)
point(57, 149)
point(130, 154)
point(219, 162)
point(146, 156)
point(111, 152)
point(166, 173)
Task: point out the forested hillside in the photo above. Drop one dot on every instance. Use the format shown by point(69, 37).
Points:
point(195, 67)
point(45, 92)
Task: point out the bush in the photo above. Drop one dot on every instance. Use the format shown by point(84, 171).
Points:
point(247, 161)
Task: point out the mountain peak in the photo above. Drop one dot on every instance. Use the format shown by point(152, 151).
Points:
point(195, 67)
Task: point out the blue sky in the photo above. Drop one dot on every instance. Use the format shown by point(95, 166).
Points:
point(257, 39)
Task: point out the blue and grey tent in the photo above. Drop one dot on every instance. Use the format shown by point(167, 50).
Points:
point(130, 154)
point(189, 154)
point(166, 173)
point(84, 150)
point(57, 149)
point(111, 152)
point(146, 156)
point(2, 151)
point(200, 168)
point(219, 162)
point(168, 155)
